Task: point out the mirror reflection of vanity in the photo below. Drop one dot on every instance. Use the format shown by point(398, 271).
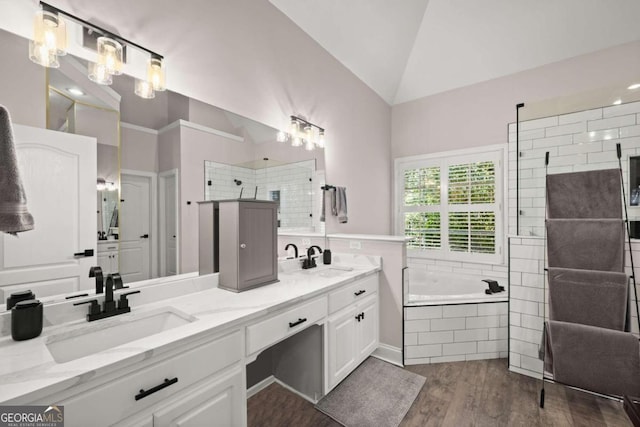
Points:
point(155, 158)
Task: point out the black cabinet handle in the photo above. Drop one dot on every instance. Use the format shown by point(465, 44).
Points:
point(358, 317)
point(144, 236)
point(86, 252)
point(362, 315)
point(144, 393)
point(360, 292)
point(299, 321)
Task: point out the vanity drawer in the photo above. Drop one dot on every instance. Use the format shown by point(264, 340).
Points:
point(116, 400)
point(352, 293)
point(279, 326)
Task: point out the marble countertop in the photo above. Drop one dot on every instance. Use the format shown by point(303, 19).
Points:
point(28, 371)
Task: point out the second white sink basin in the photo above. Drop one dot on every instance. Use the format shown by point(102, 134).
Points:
point(98, 337)
point(327, 271)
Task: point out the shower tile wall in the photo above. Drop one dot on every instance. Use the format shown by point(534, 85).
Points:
point(294, 181)
point(580, 141)
point(526, 308)
point(222, 178)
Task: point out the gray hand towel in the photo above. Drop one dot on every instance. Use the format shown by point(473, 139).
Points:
point(322, 210)
point(334, 209)
point(341, 204)
point(14, 216)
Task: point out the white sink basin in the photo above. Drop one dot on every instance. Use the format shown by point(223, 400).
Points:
point(327, 271)
point(110, 333)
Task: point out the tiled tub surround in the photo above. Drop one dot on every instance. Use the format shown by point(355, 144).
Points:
point(527, 306)
point(26, 379)
point(449, 333)
point(454, 327)
point(580, 141)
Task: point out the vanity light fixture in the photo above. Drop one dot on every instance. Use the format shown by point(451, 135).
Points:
point(49, 38)
point(50, 41)
point(303, 132)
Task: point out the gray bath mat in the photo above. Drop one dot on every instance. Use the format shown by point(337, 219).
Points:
point(375, 394)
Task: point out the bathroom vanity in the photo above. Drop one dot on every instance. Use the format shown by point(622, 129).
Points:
point(182, 361)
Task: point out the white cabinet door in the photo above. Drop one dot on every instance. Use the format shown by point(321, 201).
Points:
point(58, 172)
point(367, 328)
point(342, 329)
point(220, 401)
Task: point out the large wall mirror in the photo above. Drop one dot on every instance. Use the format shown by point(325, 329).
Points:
point(154, 159)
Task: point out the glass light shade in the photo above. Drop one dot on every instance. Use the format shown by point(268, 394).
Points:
point(296, 141)
point(294, 128)
point(308, 133)
point(98, 73)
point(110, 55)
point(144, 89)
point(309, 145)
point(51, 32)
point(281, 137)
point(321, 140)
point(156, 74)
point(41, 55)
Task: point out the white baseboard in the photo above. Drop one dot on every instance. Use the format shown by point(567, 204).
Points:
point(256, 388)
point(389, 354)
point(293, 390)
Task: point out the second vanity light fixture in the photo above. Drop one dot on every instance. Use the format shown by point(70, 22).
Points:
point(302, 132)
point(50, 41)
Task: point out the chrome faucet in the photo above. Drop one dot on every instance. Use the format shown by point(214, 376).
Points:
point(295, 250)
point(310, 262)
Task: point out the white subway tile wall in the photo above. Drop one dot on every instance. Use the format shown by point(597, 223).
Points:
point(527, 306)
point(297, 184)
point(448, 333)
point(580, 141)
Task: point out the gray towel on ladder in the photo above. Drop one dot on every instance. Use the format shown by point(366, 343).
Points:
point(341, 204)
point(322, 205)
point(14, 216)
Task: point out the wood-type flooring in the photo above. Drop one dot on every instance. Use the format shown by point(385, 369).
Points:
point(474, 393)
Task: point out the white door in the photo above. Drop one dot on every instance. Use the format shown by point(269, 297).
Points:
point(58, 172)
point(169, 223)
point(135, 228)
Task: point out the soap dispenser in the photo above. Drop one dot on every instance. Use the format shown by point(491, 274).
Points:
point(26, 320)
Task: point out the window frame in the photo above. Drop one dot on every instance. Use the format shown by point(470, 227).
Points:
point(495, 153)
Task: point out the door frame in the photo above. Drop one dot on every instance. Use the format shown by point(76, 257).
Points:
point(153, 227)
point(162, 177)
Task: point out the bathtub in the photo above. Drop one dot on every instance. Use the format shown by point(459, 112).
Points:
point(439, 288)
point(448, 317)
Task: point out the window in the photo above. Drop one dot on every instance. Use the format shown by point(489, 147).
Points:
point(451, 206)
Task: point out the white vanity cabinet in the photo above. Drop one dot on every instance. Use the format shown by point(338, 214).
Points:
point(108, 256)
point(205, 379)
point(352, 328)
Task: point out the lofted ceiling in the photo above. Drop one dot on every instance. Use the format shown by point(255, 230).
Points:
point(409, 49)
point(402, 49)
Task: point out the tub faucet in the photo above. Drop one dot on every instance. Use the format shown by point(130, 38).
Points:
point(295, 249)
point(310, 262)
point(97, 273)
